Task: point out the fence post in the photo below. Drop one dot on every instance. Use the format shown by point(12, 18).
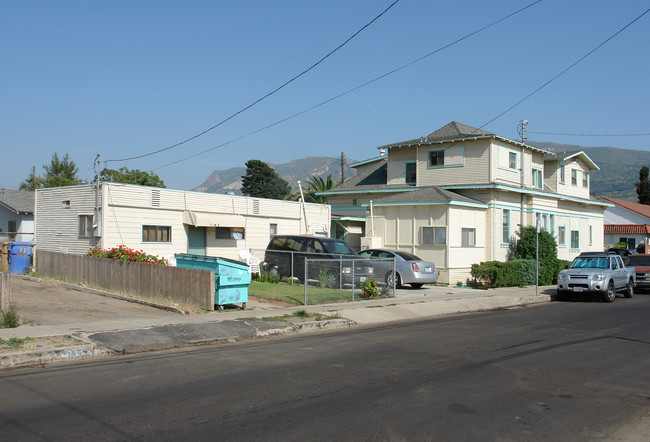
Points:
point(306, 284)
point(5, 292)
point(352, 271)
point(292, 267)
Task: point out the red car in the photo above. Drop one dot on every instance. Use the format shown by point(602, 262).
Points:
point(641, 264)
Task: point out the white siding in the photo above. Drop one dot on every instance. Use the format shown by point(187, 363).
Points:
point(57, 223)
point(126, 208)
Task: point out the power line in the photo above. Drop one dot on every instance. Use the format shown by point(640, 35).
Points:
point(263, 97)
point(590, 135)
point(355, 88)
point(567, 69)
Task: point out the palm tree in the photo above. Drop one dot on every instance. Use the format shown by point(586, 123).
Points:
point(317, 184)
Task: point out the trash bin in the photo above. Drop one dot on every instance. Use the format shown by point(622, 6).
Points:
point(231, 278)
point(20, 257)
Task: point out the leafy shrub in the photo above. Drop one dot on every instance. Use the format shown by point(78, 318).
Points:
point(370, 288)
point(10, 319)
point(123, 253)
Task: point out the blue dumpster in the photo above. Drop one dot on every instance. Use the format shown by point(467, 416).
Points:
point(231, 278)
point(20, 257)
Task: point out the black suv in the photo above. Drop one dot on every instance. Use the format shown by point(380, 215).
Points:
point(286, 255)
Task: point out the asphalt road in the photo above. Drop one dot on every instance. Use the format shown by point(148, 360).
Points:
point(563, 371)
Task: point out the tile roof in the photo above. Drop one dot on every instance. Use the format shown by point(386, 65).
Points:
point(643, 229)
point(641, 209)
point(18, 201)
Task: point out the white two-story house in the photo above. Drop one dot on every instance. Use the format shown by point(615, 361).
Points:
point(459, 195)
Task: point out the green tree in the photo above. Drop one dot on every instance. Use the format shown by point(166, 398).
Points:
point(61, 172)
point(135, 176)
point(314, 186)
point(525, 247)
point(33, 181)
point(262, 181)
point(643, 186)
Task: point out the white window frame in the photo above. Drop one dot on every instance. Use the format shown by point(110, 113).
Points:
point(159, 233)
point(436, 237)
point(229, 233)
point(585, 179)
point(561, 235)
point(86, 226)
point(468, 237)
point(562, 174)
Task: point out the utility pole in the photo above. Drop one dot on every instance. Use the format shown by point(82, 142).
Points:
point(521, 128)
point(96, 224)
point(342, 167)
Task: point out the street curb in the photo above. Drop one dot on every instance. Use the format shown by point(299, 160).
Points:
point(307, 327)
point(90, 290)
point(39, 357)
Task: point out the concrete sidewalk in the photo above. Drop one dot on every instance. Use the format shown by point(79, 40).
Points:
point(102, 324)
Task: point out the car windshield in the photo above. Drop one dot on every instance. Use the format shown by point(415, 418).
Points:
point(338, 248)
point(407, 256)
point(590, 262)
point(637, 260)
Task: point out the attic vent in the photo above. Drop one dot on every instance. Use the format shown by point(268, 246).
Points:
point(256, 207)
point(155, 198)
point(66, 204)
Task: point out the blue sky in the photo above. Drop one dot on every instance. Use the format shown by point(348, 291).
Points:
point(125, 78)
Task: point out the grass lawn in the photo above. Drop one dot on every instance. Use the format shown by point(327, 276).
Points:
point(295, 294)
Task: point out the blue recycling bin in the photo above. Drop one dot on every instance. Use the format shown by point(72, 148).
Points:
point(20, 257)
point(231, 278)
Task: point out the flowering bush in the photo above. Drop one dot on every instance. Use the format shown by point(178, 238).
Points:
point(370, 288)
point(123, 253)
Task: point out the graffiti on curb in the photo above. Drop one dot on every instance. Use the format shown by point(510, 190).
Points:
point(77, 353)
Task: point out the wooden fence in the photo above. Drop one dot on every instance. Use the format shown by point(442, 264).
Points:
point(187, 286)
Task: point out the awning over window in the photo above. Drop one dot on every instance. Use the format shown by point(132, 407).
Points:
point(199, 219)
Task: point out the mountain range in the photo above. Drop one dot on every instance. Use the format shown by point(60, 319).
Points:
point(619, 170)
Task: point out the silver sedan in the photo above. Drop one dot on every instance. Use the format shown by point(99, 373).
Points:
point(409, 269)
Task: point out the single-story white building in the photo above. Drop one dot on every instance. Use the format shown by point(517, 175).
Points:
point(165, 221)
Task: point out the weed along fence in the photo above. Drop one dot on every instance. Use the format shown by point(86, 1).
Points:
point(181, 285)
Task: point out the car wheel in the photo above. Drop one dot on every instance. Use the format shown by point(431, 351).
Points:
point(629, 289)
point(389, 280)
point(416, 285)
point(610, 294)
point(333, 280)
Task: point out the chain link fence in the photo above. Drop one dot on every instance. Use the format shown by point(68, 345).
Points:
point(332, 279)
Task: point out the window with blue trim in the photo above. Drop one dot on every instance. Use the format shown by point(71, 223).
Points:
point(562, 174)
point(505, 226)
point(575, 239)
point(537, 178)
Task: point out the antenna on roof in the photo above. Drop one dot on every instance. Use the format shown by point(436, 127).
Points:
point(521, 128)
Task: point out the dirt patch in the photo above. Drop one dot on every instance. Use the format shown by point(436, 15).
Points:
point(40, 343)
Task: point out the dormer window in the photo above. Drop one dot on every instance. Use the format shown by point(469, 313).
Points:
point(574, 177)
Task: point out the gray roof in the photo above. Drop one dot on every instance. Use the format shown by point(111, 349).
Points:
point(373, 178)
point(428, 194)
point(450, 132)
point(18, 201)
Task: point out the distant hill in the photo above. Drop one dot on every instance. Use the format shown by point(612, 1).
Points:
point(619, 168)
point(229, 180)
